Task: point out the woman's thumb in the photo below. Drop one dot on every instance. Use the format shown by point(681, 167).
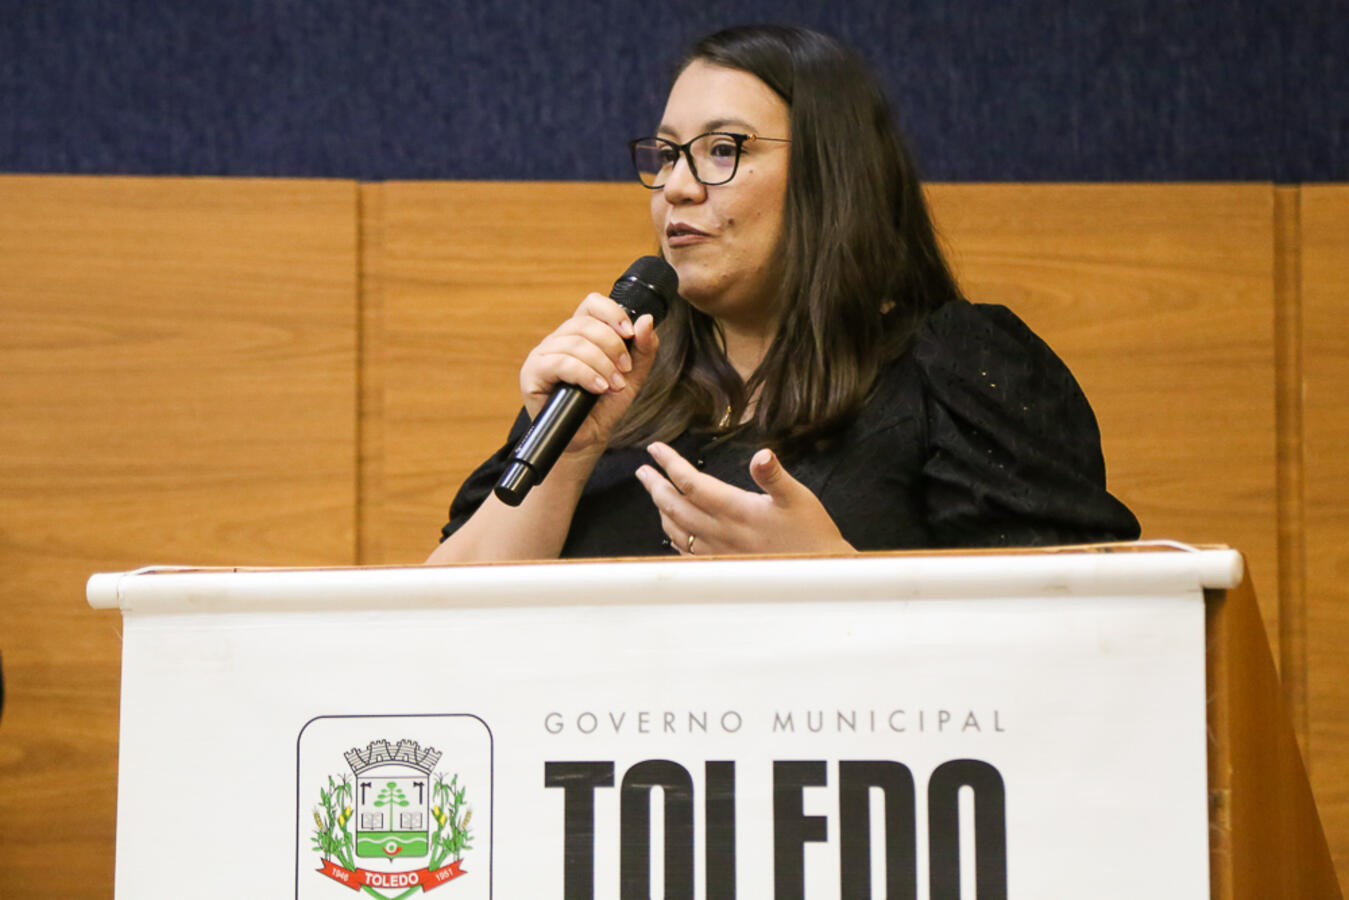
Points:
point(768, 473)
point(643, 347)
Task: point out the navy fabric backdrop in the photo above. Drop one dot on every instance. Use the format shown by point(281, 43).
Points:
point(992, 90)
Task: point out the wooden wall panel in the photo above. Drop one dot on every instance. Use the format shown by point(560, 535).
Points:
point(1325, 366)
point(470, 276)
point(1292, 638)
point(177, 384)
point(1160, 299)
point(180, 370)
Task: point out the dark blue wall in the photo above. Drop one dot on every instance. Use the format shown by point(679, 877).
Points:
point(995, 90)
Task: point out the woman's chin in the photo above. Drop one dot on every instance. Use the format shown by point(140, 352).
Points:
point(698, 283)
point(699, 299)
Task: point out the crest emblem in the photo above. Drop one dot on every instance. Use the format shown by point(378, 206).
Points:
point(396, 821)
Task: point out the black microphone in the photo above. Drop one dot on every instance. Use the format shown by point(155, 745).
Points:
point(648, 286)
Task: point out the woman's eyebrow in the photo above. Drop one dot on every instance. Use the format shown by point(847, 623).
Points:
point(713, 125)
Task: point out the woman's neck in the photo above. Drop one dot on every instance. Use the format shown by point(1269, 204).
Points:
point(746, 347)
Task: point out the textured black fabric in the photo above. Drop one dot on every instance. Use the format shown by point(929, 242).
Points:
point(978, 436)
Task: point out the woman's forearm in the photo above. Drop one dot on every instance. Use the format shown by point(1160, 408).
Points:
point(536, 529)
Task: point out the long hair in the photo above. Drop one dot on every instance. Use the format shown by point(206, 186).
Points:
point(859, 262)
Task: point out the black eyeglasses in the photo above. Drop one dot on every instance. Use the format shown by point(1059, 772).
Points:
point(713, 157)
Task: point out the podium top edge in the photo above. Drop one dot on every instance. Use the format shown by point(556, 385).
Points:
point(1085, 570)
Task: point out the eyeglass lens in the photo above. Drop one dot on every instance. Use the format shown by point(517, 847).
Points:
point(714, 158)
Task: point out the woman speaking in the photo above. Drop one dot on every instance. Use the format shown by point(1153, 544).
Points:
point(819, 385)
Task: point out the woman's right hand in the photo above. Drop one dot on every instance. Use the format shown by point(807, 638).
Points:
point(588, 350)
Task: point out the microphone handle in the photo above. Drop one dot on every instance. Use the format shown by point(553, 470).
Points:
point(568, 406)
point(549, 434)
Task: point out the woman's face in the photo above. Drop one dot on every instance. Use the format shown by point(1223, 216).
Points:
point(723, 239)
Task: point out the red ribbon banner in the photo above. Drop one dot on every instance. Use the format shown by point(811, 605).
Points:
point(425, 878)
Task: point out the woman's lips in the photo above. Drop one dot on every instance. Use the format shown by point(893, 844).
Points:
point(684, 235)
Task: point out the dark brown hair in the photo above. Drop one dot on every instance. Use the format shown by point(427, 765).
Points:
point(859, 261)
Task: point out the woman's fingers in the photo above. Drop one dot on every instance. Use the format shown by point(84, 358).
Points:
point(562, 367)
point(787, 518)
point(691, 502)
point(574, 347)
point(679, 517)
point(640, 336)
point(592, 342)
point(691, 483)
point(584, 350)
point(605, 309)
point(599, 350)
point(770, 475)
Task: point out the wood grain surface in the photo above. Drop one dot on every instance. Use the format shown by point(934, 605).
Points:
point(1325, 366)
point(299, 372)
point(1292, 637)
point(471, 276)
point(178, 385)
point(1265, 837)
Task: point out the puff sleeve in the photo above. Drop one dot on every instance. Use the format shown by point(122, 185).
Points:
point(1013, 451)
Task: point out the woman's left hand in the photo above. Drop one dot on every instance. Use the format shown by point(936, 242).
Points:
point(703, 515)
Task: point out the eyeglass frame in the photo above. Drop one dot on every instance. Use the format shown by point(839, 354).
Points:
point(686, 150)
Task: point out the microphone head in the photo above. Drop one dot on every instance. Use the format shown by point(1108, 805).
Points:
point(649, 285)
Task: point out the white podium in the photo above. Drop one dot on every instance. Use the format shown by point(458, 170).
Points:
point(1028, 725)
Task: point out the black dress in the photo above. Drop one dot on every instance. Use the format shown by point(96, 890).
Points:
point(977, 436)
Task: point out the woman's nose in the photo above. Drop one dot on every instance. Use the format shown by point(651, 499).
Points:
point(683, 185)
